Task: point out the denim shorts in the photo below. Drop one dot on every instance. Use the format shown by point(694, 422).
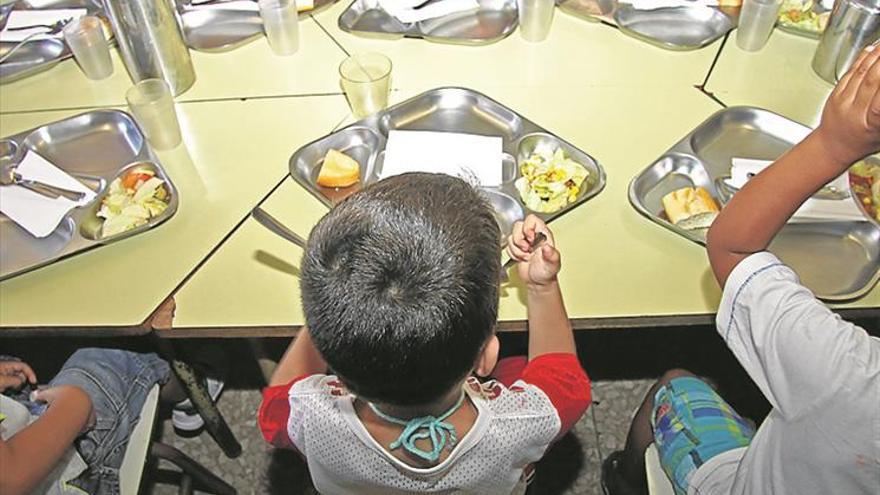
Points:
point(118, 383)
point(693, 424)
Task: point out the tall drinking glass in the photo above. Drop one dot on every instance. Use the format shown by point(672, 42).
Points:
point(366, 80)
point(281, 24)
point(535, 18)
point(152, 104)
point(85, 37)
point(756, 21)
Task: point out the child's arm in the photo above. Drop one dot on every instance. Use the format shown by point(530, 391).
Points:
point(27, 457)
point(301, 358)
point(549, 327)
point(849, 131)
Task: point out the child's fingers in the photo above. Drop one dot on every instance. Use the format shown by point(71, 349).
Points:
point(870, 82)
point(515, 252)
point(535, 225)
point(518, 236)
point(858, 72)
point(874, 110)
point(550, 255)
point(26, 370)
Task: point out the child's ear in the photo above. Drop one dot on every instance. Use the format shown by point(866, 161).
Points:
point(488, 357)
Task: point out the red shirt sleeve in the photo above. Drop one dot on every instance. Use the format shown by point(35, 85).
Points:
point(274, 414)
point(561, 377)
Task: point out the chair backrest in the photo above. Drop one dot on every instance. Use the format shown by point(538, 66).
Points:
point(132, 468)
point(658, 482)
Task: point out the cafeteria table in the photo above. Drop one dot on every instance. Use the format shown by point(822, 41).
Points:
point(212, 271)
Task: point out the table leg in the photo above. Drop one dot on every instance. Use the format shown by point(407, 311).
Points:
point(198, 394)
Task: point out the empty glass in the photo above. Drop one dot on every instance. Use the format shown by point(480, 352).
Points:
point(366, 80)
point(85, 37)
point(756, 21)
point(281, 24)
point(152, 104)
point(535, 18)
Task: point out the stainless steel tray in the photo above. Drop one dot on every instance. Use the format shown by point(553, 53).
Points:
point(837, 260)
point(495, 20)
point(101, 144)
point(449, 110)
point(672, 28)
point(219, 30)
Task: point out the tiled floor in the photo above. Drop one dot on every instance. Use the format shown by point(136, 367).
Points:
point(572, 466)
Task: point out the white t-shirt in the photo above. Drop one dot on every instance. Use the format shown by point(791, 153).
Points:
point(820, 373)
point(512, 430)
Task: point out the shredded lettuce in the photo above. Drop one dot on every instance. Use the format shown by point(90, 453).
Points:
point(124, 209)
point(549, 180)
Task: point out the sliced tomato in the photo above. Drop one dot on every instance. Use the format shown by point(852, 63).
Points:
point(131, 179)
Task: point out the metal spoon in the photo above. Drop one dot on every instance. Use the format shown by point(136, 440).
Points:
point(271, 223)
point(9, 177)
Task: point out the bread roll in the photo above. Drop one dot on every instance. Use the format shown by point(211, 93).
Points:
point(690, 208)
point(730, 3)
point(338, 170)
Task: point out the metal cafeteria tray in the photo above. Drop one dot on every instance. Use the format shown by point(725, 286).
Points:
point(101, 145)
point(673, 28)
point(221, 30)
point(449, 110)
point(838, 260)
point(495, 20)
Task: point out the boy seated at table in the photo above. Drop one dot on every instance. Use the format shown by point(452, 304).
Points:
point(820, 373)
point(400, 287)
point(71, 436)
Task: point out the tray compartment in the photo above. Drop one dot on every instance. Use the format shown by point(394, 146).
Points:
point(674, 28)
point(506, 210)
point(32, 58)
point(92, 143)
point(453, 110)
point(836, 260)
point(363, 144)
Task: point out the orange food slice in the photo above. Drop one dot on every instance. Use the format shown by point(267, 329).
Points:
point(338, 170)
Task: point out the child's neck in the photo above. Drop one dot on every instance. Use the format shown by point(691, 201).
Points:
point(436, 408)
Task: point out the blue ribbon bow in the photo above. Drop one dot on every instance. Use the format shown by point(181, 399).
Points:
point(435, 429)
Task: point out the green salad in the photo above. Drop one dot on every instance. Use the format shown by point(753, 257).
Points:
point(549, 180)
point(804, 15)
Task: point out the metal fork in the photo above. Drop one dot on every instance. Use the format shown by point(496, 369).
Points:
point(53, 28)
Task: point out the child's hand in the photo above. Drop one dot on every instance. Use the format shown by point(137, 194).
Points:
point(14, 374)
point(538, 267)
point(850, 126)
point(52, 395)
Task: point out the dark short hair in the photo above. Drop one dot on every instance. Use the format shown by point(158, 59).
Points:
point(400, 286)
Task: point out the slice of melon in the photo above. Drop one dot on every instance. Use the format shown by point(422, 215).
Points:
point(338, 170)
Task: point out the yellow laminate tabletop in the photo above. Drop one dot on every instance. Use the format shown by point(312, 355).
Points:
point(779, 77)
point(575, 54)
point(234, 153)
point(617, 264)
point(246, 72)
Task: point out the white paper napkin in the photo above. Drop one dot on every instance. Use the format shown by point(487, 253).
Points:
point(38, 214)
point(462, 155)
point(660, 4)
point(813, 210)
point(404, 12)
point(245, 5)
point(21, 18)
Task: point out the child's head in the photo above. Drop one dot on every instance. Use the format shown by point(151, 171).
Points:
point(400, 287)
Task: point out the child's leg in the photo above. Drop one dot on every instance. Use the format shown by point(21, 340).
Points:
point(117, 383)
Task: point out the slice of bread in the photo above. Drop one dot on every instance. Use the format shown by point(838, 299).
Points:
point(690, 208)
point(338, 170)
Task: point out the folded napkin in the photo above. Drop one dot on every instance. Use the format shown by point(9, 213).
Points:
point(245, 5)
point(405, 11)
point(661, 4)
point(813, 210)
point(21, 18)
point(38, 214)
point(463, 155)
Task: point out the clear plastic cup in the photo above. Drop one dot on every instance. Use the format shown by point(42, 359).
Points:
point(535, 19)
point(85, 37)
point(152, 105)
point(366, 80)
point(281, 24)
point(756, 21)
